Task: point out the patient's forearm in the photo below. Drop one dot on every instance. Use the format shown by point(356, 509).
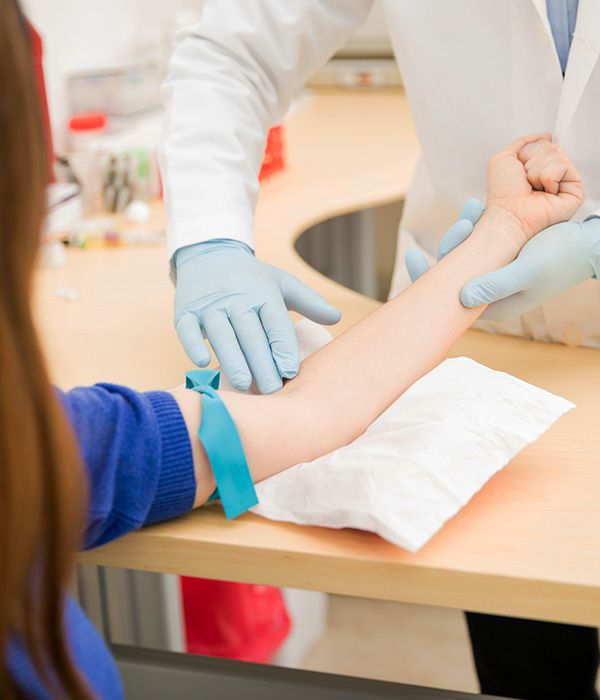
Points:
point(342, 388)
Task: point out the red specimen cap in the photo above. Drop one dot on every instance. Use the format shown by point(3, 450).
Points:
point(87, 122)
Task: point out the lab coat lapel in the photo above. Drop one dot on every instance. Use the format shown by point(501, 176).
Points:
point(583, 56)
point(540, 6)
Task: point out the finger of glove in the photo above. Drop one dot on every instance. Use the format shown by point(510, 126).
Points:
point(281, 335)
point(224, 342)
point(472, 210)
point(416, 264)
point(257, 351)
point(298, 297)
point(190, 336)
point(493, 286)
point(454, 236)
point(509, 308)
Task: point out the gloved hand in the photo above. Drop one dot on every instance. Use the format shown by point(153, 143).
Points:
point(556, 259)
point(416, 262)
point(559, 257)
point(241, 306)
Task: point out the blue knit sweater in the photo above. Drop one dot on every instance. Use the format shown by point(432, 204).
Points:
point(138, 459)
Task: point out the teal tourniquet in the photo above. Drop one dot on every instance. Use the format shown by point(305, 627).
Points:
point(223, 446)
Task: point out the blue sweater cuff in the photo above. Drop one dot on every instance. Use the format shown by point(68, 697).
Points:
point(176, 487)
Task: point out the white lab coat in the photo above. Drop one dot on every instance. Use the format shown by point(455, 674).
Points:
point(478, 74)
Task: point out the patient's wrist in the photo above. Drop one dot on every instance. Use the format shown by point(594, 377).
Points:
point(501, 230)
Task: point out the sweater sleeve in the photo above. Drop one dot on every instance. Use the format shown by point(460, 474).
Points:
point(137, 456)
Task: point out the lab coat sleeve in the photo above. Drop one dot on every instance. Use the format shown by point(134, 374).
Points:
point(230, 79)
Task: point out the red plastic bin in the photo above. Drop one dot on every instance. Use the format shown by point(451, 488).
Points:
point(233, 620)
point(274, 159)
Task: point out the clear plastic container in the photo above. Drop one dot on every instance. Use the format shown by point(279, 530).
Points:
point(119, 90)
point(85, 156)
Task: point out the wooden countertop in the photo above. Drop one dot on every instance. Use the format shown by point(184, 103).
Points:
point(527, 545)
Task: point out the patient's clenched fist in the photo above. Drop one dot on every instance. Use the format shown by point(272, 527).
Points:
point(536, 182)
point(547, 167)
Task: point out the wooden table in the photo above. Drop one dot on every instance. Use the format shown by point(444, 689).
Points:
point(527, 545)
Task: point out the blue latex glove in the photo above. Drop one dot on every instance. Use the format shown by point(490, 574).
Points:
point(556, 259)
point(241, 306)
point(416, 262)
point(551, 262)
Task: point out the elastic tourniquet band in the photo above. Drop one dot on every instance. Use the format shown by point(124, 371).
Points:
point(223, 446)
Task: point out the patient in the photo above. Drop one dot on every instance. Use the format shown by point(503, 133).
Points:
point(82, 468)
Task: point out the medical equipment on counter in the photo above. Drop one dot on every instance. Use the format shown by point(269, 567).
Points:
point(51, 255)
point(111, 237)
point(64, 208)
point(85, 129)
point(113, 164)
point(274, 158)
point(126, 187)
point(105, 232)
point(120, 90)
point(117, 187)
point(85, 156)
point(142, 174)
point(137, 212)
point(67, 293)
point(358, 73)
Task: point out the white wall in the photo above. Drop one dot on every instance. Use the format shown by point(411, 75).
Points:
point(372, 37)
point(81, 34)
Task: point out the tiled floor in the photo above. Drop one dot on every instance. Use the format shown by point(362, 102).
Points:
point(395, 642)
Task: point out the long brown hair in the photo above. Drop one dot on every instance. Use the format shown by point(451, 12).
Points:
point(41, 481)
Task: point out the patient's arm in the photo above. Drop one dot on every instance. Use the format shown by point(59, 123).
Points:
point(346, 385)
